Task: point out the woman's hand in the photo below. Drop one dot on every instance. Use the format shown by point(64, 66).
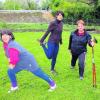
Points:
point(70, 51)
point(92, 42)
point(11, 66)
point(8, 59)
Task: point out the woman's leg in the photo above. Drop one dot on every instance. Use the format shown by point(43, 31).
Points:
point(45, 77)
point(73, 60)
point(33, 67)
point(81, 63)
point(12, 75)
point(48, 50)
point(55, 53)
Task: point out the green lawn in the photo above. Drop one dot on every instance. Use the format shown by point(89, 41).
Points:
point(23, 27)
point(69, 86)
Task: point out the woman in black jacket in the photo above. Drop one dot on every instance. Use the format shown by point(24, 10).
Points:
point(78, 46)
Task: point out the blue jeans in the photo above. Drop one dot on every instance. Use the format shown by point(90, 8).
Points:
point(51, 52)
point(38, 72)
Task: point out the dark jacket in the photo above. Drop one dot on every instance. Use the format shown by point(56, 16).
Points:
point(78, 43)
point(55, 30)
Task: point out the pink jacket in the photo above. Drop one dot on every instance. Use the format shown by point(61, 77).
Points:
point(12, 54)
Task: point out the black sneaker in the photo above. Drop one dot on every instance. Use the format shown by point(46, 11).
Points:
point(72, 67)
point(54, 72)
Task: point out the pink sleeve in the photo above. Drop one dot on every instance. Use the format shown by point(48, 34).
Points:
point(13, 55)
point(5, 46)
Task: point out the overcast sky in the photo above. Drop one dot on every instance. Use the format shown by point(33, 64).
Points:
point(1, 0)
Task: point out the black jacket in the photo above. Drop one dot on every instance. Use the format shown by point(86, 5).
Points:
point(77, 43)
point(55, 30)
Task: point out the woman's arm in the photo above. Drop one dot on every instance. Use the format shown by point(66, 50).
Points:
point(50, 28)
point(13, 57)
point(70, 42)
point(90, 41)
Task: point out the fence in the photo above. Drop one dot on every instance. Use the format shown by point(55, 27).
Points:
point(72, 21)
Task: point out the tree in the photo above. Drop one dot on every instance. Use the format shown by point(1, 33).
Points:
point(45, 4)
point(1, 6)
point(73, 10)
point(31, 5)
point(20, 4)
point(12, 5)
point(96, 6)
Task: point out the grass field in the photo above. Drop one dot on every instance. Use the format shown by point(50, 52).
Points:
point(69, 86)
point(23, 27)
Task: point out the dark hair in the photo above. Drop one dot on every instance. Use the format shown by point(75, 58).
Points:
point(59, 12)
point(8, 32)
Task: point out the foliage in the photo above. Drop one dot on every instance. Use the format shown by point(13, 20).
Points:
point(45, 5)
point(19, 5)
point(31, 5)
point(73, 10)
point(11, 5)
point(1, 5)
point(3, 25)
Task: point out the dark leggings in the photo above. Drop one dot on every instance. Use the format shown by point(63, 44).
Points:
point(81, 62)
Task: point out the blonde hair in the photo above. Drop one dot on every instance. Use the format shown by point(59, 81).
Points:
point(80, 22)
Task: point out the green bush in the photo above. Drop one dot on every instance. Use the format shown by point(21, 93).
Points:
point(3, 25)
point(72, 10)
point(11, 5)
point(1, 6)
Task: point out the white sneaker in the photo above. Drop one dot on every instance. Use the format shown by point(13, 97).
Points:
point(81, 78)
point(52, 88)
point(13, 89)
